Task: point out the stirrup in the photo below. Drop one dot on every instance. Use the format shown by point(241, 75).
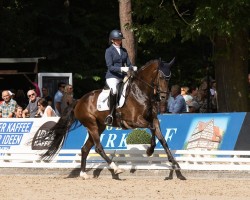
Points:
point(109, 120)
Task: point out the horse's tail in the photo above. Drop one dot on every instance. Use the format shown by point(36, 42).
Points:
point(58, 133)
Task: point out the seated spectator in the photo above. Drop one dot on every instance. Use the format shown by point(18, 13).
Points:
point(193, 91)
point(213, 96)
point(7, 108)
point(44, 109)
point(18, 112)
point(186, 95)
point(193, 107)
point(177, 104)
point(45, 95)
point(31, 109)
point(205, 106)
point(67, 97)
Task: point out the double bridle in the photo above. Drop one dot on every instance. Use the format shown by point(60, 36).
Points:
point(154, 86)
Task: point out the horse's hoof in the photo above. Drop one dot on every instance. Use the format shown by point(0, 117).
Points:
point(149, 152)
point(84, 175)
point(118, 171)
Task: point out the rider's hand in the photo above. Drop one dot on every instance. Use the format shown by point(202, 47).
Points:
point(124, 69)
point(134, 68)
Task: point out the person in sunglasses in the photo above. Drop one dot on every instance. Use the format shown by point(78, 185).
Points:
point(31, 109)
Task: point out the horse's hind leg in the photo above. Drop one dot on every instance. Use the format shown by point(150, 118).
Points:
point(85, 152)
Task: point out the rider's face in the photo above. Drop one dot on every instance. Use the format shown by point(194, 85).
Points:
point(117, 42)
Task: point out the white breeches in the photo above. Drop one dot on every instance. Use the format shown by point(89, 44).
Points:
point(112, 83)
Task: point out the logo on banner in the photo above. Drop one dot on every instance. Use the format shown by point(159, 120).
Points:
point(40, 141)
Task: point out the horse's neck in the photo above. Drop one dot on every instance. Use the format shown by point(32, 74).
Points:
point(141, 87)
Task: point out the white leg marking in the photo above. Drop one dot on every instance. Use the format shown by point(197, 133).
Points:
point(84, 175)
point(116, 169)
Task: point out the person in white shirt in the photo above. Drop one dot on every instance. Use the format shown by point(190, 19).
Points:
point(44, 109)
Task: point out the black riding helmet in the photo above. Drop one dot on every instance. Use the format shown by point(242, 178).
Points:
point(116, 34)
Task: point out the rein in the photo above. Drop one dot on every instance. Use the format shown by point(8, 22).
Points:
point(152, 86)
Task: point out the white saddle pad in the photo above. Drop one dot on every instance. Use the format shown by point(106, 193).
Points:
point(102, 100)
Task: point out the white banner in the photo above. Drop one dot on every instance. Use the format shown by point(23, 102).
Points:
point(18, 132)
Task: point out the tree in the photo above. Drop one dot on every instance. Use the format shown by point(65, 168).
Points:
point(226, 23)
point(126, 23)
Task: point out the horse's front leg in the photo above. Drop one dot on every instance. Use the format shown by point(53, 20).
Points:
point(85, 152)
point(163, 142)
point(99, 149)
point(151, 149)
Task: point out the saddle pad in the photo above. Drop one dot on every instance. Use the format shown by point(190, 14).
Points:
point(102, 100)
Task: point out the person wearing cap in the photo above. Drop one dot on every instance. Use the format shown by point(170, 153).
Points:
point(118, 64)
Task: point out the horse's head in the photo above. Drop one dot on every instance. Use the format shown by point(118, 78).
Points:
point(156, 74)
point(164, 75)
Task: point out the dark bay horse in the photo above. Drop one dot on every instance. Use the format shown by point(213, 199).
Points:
point(145, 89)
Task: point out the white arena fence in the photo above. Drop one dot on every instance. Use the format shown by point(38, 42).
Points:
point(130, 159)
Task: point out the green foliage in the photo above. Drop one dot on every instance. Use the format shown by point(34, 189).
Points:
point(138, 136)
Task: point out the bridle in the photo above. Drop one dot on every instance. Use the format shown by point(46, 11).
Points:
point(155, 87)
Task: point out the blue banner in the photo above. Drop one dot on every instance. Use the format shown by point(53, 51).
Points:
point(214, 131)
point(217, 131)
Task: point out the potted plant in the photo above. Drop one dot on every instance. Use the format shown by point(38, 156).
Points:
point(139, 139)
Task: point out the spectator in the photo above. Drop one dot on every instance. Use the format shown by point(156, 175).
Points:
point(58, 98)
point(44, 109)
point(67, 98)
point(18, 112)
point(193, 91)
point(7, 108)
point(213, 96)
point(202, 98)
point(186, 95)
point(177, 104)
point(45, 95)
point(31, 109)
point(193, 106)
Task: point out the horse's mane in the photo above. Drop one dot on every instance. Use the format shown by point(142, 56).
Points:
point(148, 64)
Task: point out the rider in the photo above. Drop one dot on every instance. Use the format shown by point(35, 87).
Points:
point(118, 64)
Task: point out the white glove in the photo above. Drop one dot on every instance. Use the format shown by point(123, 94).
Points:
point(135, 68)
point(124, 69)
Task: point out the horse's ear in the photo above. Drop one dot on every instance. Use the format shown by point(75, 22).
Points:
point(171, 62)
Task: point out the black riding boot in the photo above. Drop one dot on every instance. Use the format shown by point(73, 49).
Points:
point(112, 106)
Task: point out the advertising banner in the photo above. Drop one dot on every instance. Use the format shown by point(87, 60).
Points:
point(218, 131)
point(182, 131)
point(19, 132)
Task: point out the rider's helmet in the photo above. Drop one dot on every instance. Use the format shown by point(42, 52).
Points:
point(115, 34)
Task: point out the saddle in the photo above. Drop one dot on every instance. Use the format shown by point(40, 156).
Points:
point(102, 100)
